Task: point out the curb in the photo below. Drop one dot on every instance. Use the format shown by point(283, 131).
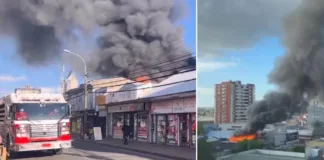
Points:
point(140, 151)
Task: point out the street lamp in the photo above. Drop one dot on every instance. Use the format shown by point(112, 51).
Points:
point(85, 90)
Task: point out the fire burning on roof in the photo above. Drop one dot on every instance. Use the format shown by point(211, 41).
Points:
point(143, 79)
point(239, 138)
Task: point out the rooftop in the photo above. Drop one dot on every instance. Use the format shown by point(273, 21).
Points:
point(179, 83)
point(258, 154)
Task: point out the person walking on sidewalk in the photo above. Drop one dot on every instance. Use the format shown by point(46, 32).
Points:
point(126, 132)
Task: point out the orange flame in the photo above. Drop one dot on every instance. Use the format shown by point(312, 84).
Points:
point(143, 79)
point(235, 139)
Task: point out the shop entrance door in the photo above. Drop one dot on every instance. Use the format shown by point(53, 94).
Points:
point(183, 129)
point(129, 120)
point(161, 122)
point(172, 131)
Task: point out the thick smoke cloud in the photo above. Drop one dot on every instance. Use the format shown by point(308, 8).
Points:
point(131, 34)
point(231, 24)
point(299, 73)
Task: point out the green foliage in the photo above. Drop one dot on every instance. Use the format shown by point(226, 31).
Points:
point(205, 150)
point(247, 145)
point(300, 149)
point(201, 128)
point(317, 124)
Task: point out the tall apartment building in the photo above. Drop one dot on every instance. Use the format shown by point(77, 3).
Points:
point(232, 99)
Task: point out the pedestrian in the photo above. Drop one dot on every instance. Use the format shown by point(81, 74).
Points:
point(126, 132)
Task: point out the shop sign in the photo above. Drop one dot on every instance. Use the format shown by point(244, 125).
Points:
point(101, 108)
point(177, 106)
point(126, 108)
point(189, 104)
point(121, 96)
point(185, 105)
point(100, 100)
point(161, 107)
point(92, 113)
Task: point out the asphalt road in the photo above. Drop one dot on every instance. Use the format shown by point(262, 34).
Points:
point(88, 151)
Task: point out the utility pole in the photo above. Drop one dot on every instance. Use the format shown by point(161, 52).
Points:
point(62, 78)
point(85, 113)
point(85, 100)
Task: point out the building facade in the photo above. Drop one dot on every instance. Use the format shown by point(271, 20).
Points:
point(315, 112)
point(71, 82)
point(163, 113)
point(232, 99)
point(96, 117)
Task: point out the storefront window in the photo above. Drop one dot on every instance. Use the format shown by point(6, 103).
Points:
point(193, 129)
point(161, 129)
point(118, 122)
point(78, 126)
point(73, 126)
point(172, 130)
point(183, 129)
point(142, 127)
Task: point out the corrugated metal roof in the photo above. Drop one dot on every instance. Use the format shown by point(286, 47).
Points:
point(179, 83)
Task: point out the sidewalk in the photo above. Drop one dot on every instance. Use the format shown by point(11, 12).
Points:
point(178, 153)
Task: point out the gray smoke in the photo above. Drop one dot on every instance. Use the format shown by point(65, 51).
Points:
point(131, 34)
point(230, 24)
point(299, 73)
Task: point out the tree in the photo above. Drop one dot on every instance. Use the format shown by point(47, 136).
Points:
point(200, 129)
point(205, 149)
point(317, 124)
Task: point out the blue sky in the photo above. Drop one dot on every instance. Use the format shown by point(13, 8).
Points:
point(239, 40)
point(14, 74)
point(250, 65)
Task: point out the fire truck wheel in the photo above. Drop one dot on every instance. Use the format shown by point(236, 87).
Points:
point(58, 151)
point(10, 154)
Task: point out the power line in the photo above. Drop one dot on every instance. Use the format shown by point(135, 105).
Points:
point(137, 89)
point(150, 75)
point(164, 76)
point(82, 93)
point(167, 61)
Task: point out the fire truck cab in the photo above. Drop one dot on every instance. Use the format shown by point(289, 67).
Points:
point(33, 121)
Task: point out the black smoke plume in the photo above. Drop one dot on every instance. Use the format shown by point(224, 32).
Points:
point(299, 73)
point(131, 34)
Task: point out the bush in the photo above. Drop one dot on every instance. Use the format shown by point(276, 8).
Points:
point(205, 150)
point(200, 128)
point(300, 149)
point(246, 145)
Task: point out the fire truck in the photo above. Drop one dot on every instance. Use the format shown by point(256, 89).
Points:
point(34, 121)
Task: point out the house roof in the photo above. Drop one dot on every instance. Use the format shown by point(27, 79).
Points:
point(220, 134)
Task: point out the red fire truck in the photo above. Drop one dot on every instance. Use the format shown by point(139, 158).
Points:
point(34, 121)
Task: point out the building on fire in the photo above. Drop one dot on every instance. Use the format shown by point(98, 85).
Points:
point(163, 113)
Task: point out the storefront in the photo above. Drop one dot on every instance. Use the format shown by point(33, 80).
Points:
point(135, 116)
point(76, 125)
point(174, 122)
point(101, 120)
point(77, 121)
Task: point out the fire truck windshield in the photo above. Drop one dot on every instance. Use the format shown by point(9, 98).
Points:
point(36, 111)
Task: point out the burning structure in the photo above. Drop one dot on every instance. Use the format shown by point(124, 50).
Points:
point(129, 34)
point(298, 73)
